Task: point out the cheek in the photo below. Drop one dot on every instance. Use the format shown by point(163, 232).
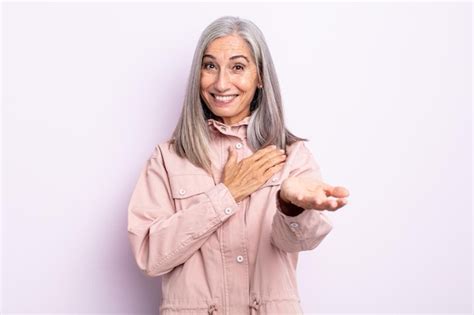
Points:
point(203, 88)
point(205, 81)
point(247, 86)
point(248, 83)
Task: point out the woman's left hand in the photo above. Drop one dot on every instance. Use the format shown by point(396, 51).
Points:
point(309, 193)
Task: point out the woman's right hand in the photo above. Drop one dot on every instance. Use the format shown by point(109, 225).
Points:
point(246, 176)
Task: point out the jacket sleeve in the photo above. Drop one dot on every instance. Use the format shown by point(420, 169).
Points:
point(162, 238)
point(306, 230)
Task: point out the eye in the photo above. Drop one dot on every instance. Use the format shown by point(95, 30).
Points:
point(207, 65)
point(241, 67)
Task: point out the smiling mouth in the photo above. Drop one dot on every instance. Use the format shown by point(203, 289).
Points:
point(224, 98)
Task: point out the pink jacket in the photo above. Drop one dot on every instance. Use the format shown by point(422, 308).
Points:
point(217, 256)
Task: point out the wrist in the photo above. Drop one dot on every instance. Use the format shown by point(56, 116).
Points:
point(287, 208)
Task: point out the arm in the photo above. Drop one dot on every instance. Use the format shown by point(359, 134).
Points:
point(161, 237)
point(296, 229)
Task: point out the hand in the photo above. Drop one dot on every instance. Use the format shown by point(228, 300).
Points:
point(309, 193)
point(246, 176)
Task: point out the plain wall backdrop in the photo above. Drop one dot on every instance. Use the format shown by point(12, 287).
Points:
point(382, 90)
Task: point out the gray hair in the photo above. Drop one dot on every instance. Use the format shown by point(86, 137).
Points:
point(191, 137)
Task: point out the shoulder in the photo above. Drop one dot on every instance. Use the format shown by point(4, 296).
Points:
point(162, 149)
point(298, 150)
point(301, 160)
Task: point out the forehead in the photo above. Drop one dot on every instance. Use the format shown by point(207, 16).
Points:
point(227, 46)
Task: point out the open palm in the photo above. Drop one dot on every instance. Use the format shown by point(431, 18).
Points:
point(309, 193)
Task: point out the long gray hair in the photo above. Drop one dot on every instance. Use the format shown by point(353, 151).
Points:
point(191, 136)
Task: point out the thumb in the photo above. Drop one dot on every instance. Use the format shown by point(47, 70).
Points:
point(232, 156)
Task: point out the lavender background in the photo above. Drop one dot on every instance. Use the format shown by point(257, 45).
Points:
point(383, 91)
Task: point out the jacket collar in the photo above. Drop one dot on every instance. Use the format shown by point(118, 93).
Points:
point(238, 129)
point(216, 123)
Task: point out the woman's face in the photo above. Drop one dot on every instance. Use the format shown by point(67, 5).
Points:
point(228, 78)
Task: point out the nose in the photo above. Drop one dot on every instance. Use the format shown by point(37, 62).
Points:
point(222, 81)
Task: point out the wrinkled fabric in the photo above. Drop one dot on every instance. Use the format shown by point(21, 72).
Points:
point(217, 256)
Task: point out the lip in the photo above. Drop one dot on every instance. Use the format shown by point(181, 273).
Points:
point(221, 103)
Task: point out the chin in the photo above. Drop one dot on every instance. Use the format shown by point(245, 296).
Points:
point(227, 112)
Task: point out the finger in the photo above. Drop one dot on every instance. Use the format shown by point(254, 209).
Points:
point(232, 158)
point(272, 170)
point(320, 199)
point(262, 152)
point(335, 204)
point(340, 192)
point(273, 157)
point(270, 155)
point(336, 191)
point(270, 161)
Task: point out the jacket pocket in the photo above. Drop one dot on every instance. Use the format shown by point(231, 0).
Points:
point(189, 189)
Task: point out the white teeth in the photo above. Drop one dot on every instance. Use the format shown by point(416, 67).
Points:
point(224, 98)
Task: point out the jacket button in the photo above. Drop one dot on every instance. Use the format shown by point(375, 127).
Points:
point(227, 210)
point(238, 145)
point(240, 259)
point(294, 225)
point(182, 191)
point(274, 179)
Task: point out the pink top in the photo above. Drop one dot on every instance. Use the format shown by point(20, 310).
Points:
point(217, 256)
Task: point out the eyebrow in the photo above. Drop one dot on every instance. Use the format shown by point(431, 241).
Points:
point(231, 58)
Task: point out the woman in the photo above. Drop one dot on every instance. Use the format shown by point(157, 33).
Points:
point(222, 209)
